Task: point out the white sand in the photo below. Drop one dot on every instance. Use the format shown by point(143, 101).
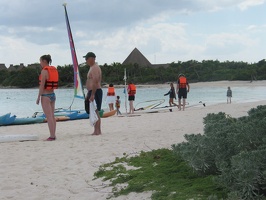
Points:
point(63, 169)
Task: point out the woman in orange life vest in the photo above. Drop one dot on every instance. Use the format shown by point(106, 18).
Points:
point(182, 89)
point(131, 90)
point(111, 98)
point(48, 81)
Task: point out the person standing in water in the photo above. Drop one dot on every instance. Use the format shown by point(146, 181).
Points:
point(48, 81)
point(229, 95)
point(110, 99)
point(182, 89)
point(93, 85)
point(172, 95)
point(131, 90)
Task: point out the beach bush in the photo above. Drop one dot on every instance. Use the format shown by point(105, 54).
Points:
point(233, 149)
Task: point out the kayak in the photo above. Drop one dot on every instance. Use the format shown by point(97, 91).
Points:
point(7, 119)
point(28, 120)
point(108, 114)
point(83, 115)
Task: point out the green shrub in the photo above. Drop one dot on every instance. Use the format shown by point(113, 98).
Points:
point(234, 149)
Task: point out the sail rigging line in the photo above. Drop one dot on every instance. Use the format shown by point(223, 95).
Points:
point(150, 106)
point(125, 88)
point(78, 87)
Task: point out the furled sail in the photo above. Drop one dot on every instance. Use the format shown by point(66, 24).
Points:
point(78, 88)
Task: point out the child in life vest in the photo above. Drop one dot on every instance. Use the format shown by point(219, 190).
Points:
point(117, 105)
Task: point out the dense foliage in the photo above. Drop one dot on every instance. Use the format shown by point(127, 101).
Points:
point(207, 70)
point(234, 149)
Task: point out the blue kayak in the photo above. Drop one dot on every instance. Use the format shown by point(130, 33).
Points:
point(7, 119)
point(73, 114)
point(82, 115)
point(28, 120)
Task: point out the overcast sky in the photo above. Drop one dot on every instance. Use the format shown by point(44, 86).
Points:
point(164, 31)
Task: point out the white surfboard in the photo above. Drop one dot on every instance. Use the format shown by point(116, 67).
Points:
point(18, 138)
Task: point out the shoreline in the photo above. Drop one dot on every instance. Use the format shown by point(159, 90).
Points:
point(160, 85)
point(63, 169)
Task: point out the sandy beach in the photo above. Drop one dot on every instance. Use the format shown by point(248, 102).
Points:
point(63, 169)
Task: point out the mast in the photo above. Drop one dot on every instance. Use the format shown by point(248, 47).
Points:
point(125, 89)
point(78, 87)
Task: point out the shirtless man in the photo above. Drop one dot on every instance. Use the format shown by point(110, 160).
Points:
point(93, 85)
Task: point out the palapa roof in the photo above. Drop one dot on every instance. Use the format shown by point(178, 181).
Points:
point(136, 57)
point(16, 67)
point(34, 66)
point(2, 66)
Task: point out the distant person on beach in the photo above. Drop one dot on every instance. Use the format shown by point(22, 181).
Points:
point(182, 89)
point(117, 105)
point(131, 90)
point(48, 81)
point(110, 99)
point(172, 95)
point(229, 95)
point(93, 85)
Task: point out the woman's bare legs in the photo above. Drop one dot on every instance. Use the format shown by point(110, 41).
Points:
point(48, 109)
point(111, 106)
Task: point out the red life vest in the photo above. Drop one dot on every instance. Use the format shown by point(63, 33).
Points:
point(52, 81)
point(132, 89)
point(182, 82)
point(111, 91)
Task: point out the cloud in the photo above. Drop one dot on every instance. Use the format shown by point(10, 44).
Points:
point(244, 5)
point(166, 30)
point(21, 51)
point(151, 39)
point(103, 13)
point(230, 46)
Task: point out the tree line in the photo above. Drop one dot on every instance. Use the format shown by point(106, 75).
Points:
point(206, 70)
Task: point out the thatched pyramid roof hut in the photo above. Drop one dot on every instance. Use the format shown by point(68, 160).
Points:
point(2, 66)
point(34, 66)
point(136, 57)
point(16, 67)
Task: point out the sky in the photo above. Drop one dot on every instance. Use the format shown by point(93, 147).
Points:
point(164, 31)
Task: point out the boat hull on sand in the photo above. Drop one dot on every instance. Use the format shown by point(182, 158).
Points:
point(27, 120)
point(108, 114)
point(7, 119)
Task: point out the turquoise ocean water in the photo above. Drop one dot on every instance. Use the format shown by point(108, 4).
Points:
point(21, 102)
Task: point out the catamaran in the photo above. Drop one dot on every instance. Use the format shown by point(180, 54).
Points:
point(78, 87)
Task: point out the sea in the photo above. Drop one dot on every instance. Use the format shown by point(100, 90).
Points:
point(22, 102)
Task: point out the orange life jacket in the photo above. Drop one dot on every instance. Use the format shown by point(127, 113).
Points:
point(111, 91)
point(182, 82)
point(52, 81)
point(132, 89)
